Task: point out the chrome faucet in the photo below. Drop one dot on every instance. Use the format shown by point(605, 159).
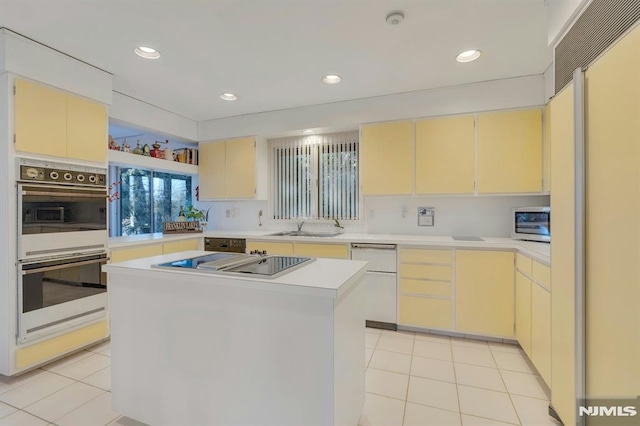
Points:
point(300, 224)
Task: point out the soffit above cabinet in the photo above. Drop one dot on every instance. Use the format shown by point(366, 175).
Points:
point(272, 58)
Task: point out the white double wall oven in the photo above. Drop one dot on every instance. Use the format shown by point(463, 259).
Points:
point(62, 245)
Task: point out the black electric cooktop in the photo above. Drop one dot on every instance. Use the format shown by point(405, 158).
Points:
point(239, 264)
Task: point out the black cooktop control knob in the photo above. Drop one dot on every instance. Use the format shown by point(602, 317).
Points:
point(80, 178)
point(68, 176)
point(54, 175)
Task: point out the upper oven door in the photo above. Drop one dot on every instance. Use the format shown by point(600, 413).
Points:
point(54, 220)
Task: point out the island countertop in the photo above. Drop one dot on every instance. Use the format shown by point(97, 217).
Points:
point(321, 277)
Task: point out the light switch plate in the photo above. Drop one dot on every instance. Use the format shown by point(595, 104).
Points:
point(426, 216)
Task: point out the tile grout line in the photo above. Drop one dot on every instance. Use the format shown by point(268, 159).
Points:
point(508, 393)
point(406, 394)
point(455, 377)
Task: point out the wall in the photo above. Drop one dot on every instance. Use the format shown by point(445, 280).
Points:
point(485, 96)
point(488, 216)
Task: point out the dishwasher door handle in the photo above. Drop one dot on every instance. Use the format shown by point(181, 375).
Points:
point(373, 246)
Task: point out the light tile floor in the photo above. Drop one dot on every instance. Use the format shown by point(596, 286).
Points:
point(412, 379)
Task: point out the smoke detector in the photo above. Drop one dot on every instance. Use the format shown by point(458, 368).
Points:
point(394, 18)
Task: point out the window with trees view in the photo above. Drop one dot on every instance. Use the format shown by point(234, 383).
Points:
point(315, 177)
point(146, 199)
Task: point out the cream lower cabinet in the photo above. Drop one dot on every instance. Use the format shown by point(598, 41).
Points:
point(523, 312)
point(533, 313)
point(484, 292)
point(425, 277)
point(148, 250)
point(335, 251)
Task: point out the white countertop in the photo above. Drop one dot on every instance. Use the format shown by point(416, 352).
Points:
point(322, 277)
point(538, 251)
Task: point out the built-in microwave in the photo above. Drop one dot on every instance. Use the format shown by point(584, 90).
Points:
point(531, 223)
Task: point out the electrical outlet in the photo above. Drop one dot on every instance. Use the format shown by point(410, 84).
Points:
point(229, 212)
point(404, 211)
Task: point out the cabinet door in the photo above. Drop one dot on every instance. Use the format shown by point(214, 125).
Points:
point(386, 158)
point(541, 331)
point(271, 247)
point(445, 158)
point(120, 255)
point(547, 149)
point(523, 312)
point(40, 119)
point(212, 170)
point(484, 292)
point(336, 251)
point(425, 312)
point(241, 168)
point(86, 130)
point(182, 245)
point(510, 152)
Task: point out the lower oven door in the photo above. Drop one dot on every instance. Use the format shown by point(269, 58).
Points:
point(55, 295)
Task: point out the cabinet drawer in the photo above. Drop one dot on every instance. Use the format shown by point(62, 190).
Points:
point(271, 248)
point(425, 312)
point(336, 251)
point(523, 263)
point(429, 272)
point(425, 255)
point(542, 274)
point(432, 288)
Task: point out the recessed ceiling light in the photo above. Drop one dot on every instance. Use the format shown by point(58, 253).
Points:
point(228, 97)
point(308, 131)
point(468, 55)
point(331, 79)
point(147, 52)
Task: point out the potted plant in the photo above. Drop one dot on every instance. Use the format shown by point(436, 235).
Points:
point(193, 213)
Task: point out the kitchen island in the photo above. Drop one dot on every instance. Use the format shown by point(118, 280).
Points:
point(194, 347)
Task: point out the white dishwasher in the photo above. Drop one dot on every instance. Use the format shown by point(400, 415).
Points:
point(380, 283)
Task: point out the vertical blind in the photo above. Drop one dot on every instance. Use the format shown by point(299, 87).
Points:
point(315, 176)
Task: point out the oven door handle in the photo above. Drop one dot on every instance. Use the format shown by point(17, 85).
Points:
point(65, 194)
point(62, 266)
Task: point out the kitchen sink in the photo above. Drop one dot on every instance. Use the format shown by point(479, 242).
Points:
point(303, 234)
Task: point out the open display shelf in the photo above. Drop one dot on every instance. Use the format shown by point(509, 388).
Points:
point(127, 159)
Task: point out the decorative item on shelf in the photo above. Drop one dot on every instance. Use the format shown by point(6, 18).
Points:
point(198, 215)
point(168, 154)
point(181, 216)
point(156, 152)
point(181, 155)
point(138, 148)
point(112, 144)
point(125, 146)
point(146, 151)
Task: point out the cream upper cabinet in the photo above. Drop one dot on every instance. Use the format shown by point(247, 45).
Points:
point(509, 150)
point(51, 122)
point(445, 157)
point(387, 158)
point(86, 130)
point(241, 168)
point(232, 169)
point(40, 119)
point(484, 292)
point(212, 170)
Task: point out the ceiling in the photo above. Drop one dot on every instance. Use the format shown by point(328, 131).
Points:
point(273, 53)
